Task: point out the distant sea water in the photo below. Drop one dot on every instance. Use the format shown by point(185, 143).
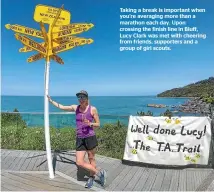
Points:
point(110, 108)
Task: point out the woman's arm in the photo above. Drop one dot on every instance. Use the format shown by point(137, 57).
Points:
point(96, 124)
point(94, 113)
point(66, 108)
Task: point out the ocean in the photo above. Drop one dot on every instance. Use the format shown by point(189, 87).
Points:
point(110, 108)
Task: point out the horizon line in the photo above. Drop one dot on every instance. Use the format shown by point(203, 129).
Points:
point(89, 96)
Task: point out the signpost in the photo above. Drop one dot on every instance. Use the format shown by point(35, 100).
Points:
point(59, 38)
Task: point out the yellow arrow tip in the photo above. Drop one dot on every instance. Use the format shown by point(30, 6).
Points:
point(90, 41)
point(91, 25)
point(7, 26)
point(21, 50)
point(17, 36)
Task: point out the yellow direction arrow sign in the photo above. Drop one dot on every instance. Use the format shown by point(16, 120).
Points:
point(71, 26)
point(25, 30)
point(57, 59)
point(47, 14)
point(70, 39)
point(28, 49)
point(79, 41)
point(35, 57)
point(70, 45)
point(63, 40)
point(70, 32)
point(32, 44)
point(25, 49)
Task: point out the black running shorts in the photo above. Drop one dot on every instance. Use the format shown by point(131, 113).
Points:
point(85, 144)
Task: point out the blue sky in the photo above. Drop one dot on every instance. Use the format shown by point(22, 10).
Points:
point(101, 68)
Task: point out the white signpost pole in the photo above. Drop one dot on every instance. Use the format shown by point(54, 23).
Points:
point(46, 102)
point(46, 118)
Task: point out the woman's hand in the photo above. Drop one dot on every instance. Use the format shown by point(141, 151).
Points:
point(49, 98)
point(87, 122)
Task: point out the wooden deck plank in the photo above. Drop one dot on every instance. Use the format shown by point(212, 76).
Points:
point(20, 160)
point(15, 161)
point(19, 183)
point(37, 159)
point(69, 166)
point(48, 185)
point(174, 181)
point(41, 165)
point(113, 173)
point(4, 153)
point(135, 179)
point(71, 170)
point(205, 184)
point(33, 160)
point(167, 180)
point(9, 161)
point(182, 180)
point(119, 177)
point(8, 179)
point(26, 162)
point(56, 183)
point(190, 183)
point(123, 183)
point(10, 187)
point(144, 176)
point(150, 180)
point(4, 188)
point(211, 187)
point(197, 177)
point(159, 180)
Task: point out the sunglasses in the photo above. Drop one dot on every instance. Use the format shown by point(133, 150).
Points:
point(82, 97)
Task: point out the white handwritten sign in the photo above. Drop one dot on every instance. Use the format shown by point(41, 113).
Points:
point(175, 141)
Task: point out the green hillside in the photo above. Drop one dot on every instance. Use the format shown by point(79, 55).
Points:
point(202, 88)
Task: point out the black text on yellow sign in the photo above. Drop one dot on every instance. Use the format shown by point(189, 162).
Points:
point(36, 57)
point(72, 39)
point(32, 44)
point(70, 32)
point(71, 26)
point(70, 45)
point(63, 40)
point(25, 30)
point(78, 41)
point(39, 56)
point(57, 59)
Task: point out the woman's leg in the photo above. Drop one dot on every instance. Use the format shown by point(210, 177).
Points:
point(91, 158)
point(81, 162)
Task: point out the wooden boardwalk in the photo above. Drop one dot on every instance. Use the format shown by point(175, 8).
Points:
point(23, 170)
